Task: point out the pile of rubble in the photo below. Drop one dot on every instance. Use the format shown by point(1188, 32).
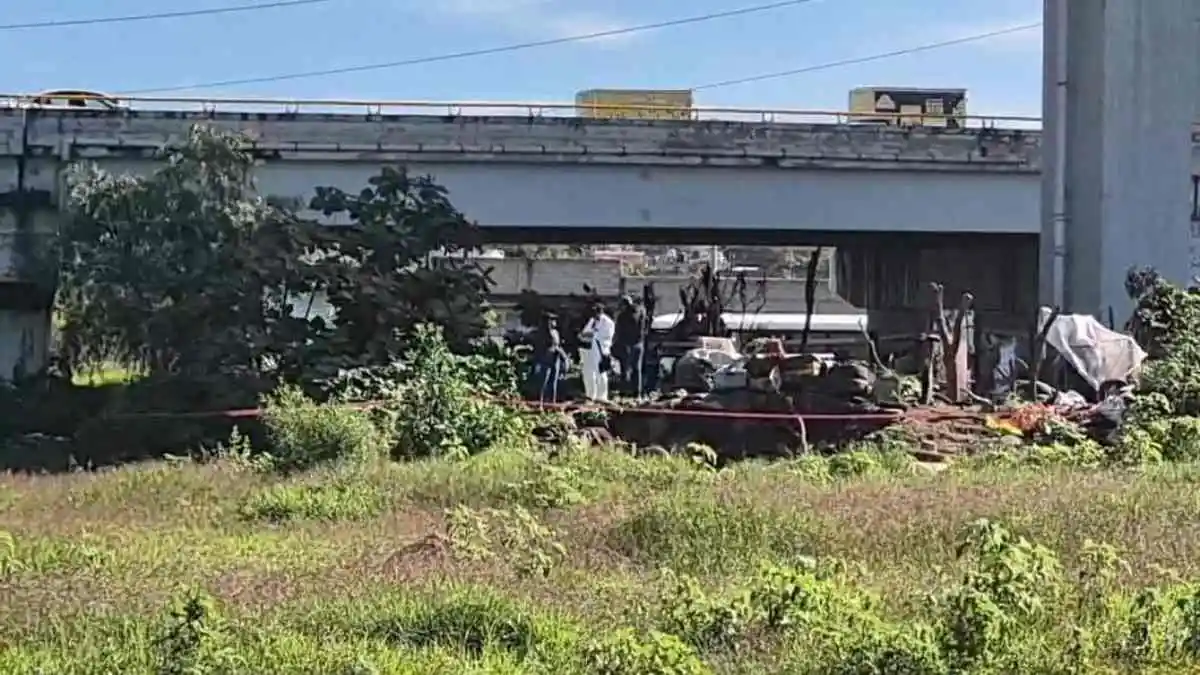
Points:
point(757, 397)
point(772, 380)
point(748, 404)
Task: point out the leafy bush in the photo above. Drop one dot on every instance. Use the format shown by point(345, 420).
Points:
point(445, 407)
point(548, 487)
point(493, 367)
point(1002, 593)
point(195, 638)
point(626, 653)
point(1166, 322)
point(888, 649)
point(365, 383)
point(304, 434)
point(528, 545)
point(806, 597)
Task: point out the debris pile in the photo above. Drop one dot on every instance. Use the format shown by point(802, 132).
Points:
point(1072, 381)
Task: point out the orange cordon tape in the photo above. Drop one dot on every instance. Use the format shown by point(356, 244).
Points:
point(535, 406)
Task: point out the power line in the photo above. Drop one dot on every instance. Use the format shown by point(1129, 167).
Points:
point(867, 59)
point(278, 4)
point(454, 56)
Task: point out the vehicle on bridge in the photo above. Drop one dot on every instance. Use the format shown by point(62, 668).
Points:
point(71, 98)
point(908, 106)
point(645, 104)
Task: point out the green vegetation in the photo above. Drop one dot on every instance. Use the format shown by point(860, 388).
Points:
point(193, 277)
point(442, 531)
point(185, 291)
point(590, 560)
point(433, 533)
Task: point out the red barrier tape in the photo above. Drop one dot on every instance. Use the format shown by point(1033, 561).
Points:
point(242, 413)
point(751, 415)
point(534, 406)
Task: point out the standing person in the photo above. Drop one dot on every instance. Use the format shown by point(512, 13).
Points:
point(595, 353)
point(629, 344)
point(550, 360)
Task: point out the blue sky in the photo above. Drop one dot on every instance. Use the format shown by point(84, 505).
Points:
point(1002, 74)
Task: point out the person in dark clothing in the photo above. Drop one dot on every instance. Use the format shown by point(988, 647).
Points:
point(550, 359)
point(629, 342)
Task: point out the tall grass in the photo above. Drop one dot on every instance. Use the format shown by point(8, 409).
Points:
point(593, 561)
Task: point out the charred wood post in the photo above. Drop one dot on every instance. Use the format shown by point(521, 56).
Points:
point(810, 297)
point(931, 361)
point(759, 299)
point(650, 304)
point(955, 368)
point(1037, 350)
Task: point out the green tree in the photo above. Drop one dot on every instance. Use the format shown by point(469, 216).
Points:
point(190, 269)
point(404, 261)
point(186, 268)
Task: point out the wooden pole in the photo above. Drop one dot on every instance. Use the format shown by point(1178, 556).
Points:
point(810, 297)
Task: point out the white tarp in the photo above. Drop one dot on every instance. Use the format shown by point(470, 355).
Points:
point(1095, 351)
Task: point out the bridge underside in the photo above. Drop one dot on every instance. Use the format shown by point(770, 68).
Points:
point(743, 236)
point(674, 198)
point(886, 274)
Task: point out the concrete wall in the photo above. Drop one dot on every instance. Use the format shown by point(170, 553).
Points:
point(555, 196)
point(555, 277)
point(566, 277)
point(1119, 103)
point(781, 295)
point(24, 342)
point(43, 224)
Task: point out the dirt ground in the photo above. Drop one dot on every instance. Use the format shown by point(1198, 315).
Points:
point(942, 432)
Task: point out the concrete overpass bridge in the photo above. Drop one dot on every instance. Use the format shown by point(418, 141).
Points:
point(903, 206)
point(562, 174)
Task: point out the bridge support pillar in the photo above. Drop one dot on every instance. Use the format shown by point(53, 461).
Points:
point(1120, 90)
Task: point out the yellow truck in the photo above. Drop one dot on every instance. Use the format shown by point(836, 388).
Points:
point(638, 104)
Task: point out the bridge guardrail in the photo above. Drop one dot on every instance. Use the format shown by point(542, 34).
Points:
point(477, 108)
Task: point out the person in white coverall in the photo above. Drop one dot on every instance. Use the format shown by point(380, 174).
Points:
point(595, 354)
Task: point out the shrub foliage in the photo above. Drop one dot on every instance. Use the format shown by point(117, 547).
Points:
point(195, 274)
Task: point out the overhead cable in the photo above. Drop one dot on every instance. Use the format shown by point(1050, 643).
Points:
point(829, 65)
point(473, 53)
point(158, 16)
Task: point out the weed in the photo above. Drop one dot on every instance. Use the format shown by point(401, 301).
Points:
point(32, 555)
point(438, 412)
point(339, 501)
point(304, 434)
point(595, 561)
point(548, 487)
point(515, 535)
point(698, 533)
point(194, 640)
point(627, 653)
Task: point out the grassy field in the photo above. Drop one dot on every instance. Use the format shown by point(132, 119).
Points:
point(594, 561)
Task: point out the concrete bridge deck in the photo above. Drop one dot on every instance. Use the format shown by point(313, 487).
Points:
point(557, 175)
point(551, 173)
point(396, 138)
